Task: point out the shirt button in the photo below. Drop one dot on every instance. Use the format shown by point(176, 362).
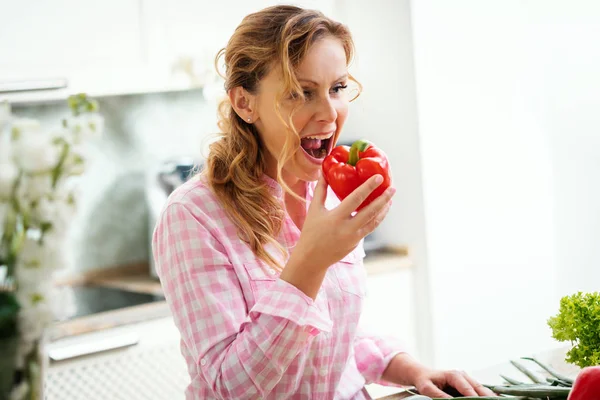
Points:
point(203, 362)
point(272, 271)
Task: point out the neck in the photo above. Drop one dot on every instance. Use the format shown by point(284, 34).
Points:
point(296, 185)
point(295, 208)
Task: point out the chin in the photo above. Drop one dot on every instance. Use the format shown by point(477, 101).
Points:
point(303, 170)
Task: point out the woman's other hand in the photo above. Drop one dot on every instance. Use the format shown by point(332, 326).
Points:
point(405, 370)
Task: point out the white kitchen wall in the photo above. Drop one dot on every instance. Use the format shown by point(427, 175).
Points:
point(563, 83)
point(508, 123)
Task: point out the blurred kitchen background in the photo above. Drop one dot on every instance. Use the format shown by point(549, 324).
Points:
point(487, 109)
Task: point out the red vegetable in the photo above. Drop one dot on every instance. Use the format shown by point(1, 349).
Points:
point(587, 384)
point(346, 168)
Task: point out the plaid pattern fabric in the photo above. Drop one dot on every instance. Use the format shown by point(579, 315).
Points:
point(245, 334)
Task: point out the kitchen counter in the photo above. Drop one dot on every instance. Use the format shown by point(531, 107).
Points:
point(137, 279)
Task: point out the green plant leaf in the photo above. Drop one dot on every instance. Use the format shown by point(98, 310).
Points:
point(578, 322)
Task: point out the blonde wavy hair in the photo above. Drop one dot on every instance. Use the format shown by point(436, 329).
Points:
point(275, 37)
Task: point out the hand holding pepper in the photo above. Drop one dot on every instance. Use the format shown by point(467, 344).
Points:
point(346, 168)
point(329, 235)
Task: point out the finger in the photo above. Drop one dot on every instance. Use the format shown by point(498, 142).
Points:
point(375, 222)
point(320, 193)
point(367, 214)
point(479, 388)
point(458, 382)
point(360, 194)
point(429, 389)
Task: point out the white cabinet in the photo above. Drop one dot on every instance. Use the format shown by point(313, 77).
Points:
point(96, 47)
point(389, 306)
point(153, 368)
point(187, 34)
point(116, 46)
point(44, 39)
point(388, 310)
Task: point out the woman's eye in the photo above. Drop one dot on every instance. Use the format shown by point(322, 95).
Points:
point(339, 88)
point(310, 94)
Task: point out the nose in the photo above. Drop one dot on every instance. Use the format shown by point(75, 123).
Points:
point(326, 111)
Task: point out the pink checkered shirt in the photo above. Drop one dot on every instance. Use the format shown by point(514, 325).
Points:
point(245, 334)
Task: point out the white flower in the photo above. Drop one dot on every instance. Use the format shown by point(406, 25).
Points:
point(33, 151)
point(74, 164)
point(35, 155)
point(57, 210)
point(40, 306)
point(29, 277)
point(46, 203)
point(22, 127)
point(43, 204)
point(35, 315)
point(8, 175)
point(34, 187)
point(38, 261)
point(85, 126)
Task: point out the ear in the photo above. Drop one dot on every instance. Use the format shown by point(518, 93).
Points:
point(243, 103)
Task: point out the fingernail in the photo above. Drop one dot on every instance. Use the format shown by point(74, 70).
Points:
point(378, 179)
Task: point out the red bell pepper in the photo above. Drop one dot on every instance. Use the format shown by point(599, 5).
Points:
point(346, 168)
point(586, 385)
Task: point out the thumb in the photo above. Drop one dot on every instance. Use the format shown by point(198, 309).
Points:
point(321, 190)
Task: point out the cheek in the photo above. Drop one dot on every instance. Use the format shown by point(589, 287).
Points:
point(272, 132)
point(300, 119)
point(342, 113)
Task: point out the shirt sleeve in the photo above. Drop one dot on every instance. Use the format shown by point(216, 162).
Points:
point(373, 354)
point(239, 353)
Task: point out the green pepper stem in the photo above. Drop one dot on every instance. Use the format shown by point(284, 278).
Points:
point(358, 146)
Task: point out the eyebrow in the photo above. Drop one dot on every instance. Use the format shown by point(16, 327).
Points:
point(316, 84)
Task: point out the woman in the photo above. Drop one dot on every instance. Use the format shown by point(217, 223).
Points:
point(262, 268)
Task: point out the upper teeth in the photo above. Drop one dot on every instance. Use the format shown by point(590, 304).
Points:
point(322, 137)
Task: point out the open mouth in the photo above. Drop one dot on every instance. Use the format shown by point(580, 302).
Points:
point(316, 148)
